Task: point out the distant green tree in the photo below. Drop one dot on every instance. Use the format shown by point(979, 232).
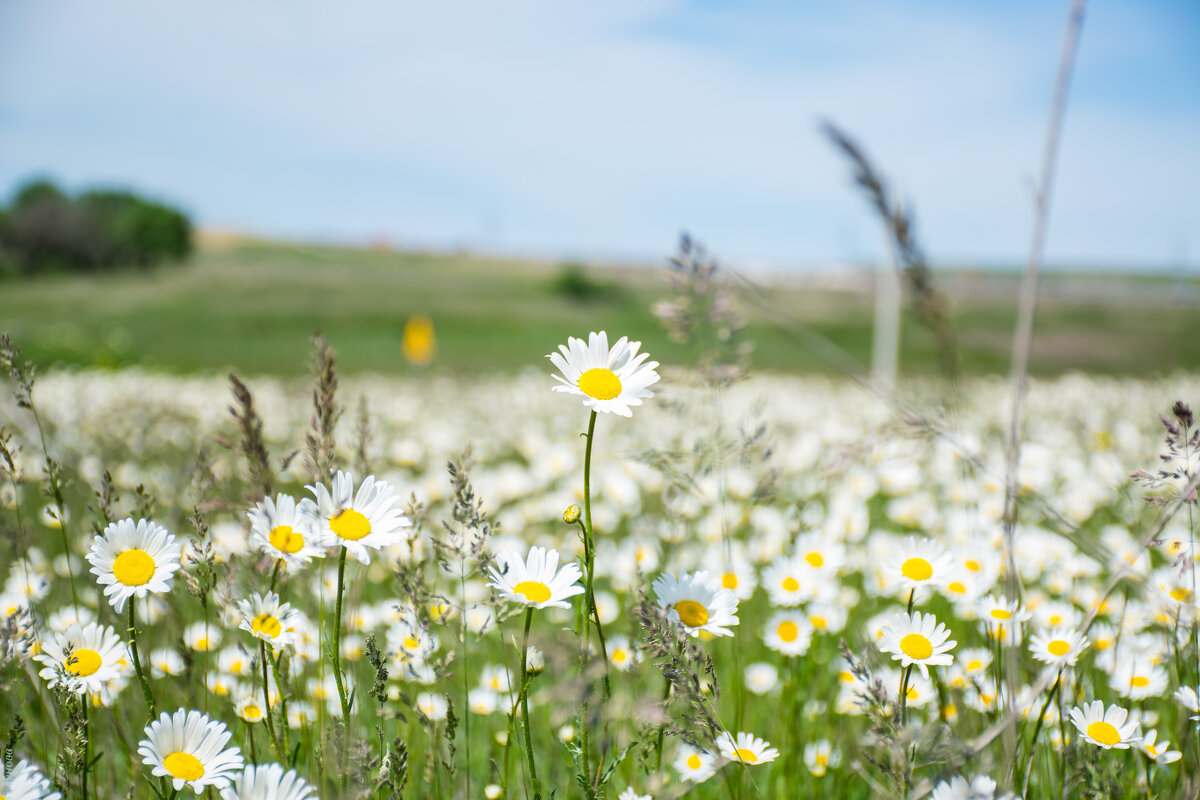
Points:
point(46, 230)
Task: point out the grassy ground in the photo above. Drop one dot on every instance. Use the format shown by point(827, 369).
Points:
point(253, 306)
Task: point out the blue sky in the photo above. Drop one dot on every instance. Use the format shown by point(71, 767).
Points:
point(604, 129)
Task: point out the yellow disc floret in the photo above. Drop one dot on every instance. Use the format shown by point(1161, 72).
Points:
point(133, 567)
point(1104, 733)
point(83, 662)
point(184, 766)
point(916, 646)
point(691, 613)
point(1059, 647)
point(600, 383)
point(286, 540)
point(745, 755)
point(788, 631)
point(534, 591)
point(350, 524)
point(266, 624)
point(917, 569)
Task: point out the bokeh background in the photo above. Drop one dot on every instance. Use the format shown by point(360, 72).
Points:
point(521, 171)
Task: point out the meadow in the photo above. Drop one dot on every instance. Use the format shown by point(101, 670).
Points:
point(739, 560)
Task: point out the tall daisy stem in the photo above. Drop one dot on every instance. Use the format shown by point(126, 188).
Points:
point(283, 713)
point(589, 545)
point(262, 649)
point(337, 661)
point(147, 695)
point(537, 790)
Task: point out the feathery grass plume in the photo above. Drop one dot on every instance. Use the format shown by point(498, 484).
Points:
point(686, 667)
point(931, 305)
point(393, 771)
point(375, 658)
point(703, 314)
point(321, 452)
point(106, 498)
point(251, 444)
point(1180, 461)
point(23, 372)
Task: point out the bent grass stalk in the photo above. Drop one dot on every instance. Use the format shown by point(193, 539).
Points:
point(336, 658)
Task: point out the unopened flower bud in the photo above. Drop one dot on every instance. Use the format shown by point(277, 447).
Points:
point(571, 515)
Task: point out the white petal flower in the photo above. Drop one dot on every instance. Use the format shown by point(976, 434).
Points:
point(919, 639)
point(189, 750)
point(698, 602)
point(610, 380)
point(133, 559)
point(536, 581)
point(360, 521)
point(1106, 728)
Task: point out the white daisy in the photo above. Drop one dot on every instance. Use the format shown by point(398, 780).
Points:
point(287, 530)
point(1059, 647)
point(694, 765)
point(97, 656)
point(980, 787)
point(620, 654)
point(1158, 751)
point(1106, 728)
point(789, 632)
point(432, 705)
point(819, 756)
point(537, 581)
point(631, 794)
point(359, 521)
point(919, 639)
point(268, 782)
point(1138, 678)
point(919, 562)
point(1186, 696)
point(264, 617)
point(132, 559)
point(610, 379)
point(26, 783)
point(189, 749)
point(698, 602)
point(761, 677)
point(248, 707)
point(746, 748)
point(789, 582)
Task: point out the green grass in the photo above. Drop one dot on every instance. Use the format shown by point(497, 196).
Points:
point(253, 306)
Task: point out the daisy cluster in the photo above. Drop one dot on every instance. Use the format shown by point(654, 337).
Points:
point(764, 549)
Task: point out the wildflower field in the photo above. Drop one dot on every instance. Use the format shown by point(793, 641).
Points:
point(653, 582)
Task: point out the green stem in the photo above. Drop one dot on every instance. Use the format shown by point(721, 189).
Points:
point(262, 649)
point(1036, 730)
point(283, 715)
point(904, 695)
point(337, 662)
point(537, 790)
point(87, 742)
point(662, 729)
point(147, 695)
point(275, 573)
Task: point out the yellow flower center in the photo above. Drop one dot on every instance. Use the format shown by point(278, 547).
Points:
point(790, 584)
point(822, 760)
point(846, 677)
point(973, 565)
point(252, 713)
point(957, 587)
point(916, 646)
point(912, 694)
point(693, 761)
point(1181, 595)
point(410, 643)
point(184, 765)
point(1151, 749)
point(534, 591)
point(1000, 613)
point(691, 613)
point(266, 624)
point(729, 581)
point(618, 656)
point(286, 540)
point(1055, 619)
point(745, 755)
point(788, 631)
point(600, 383)
point(815, 559)
point(1138, 682)
point(1103, 733)
point(83, 662)
point(917, 569)
point(350, 524)
point(974, 665)
point(1058, 647)
point(133, 567)
point(818, 622)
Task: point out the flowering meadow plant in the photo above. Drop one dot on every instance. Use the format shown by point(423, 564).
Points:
point(610, 584)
